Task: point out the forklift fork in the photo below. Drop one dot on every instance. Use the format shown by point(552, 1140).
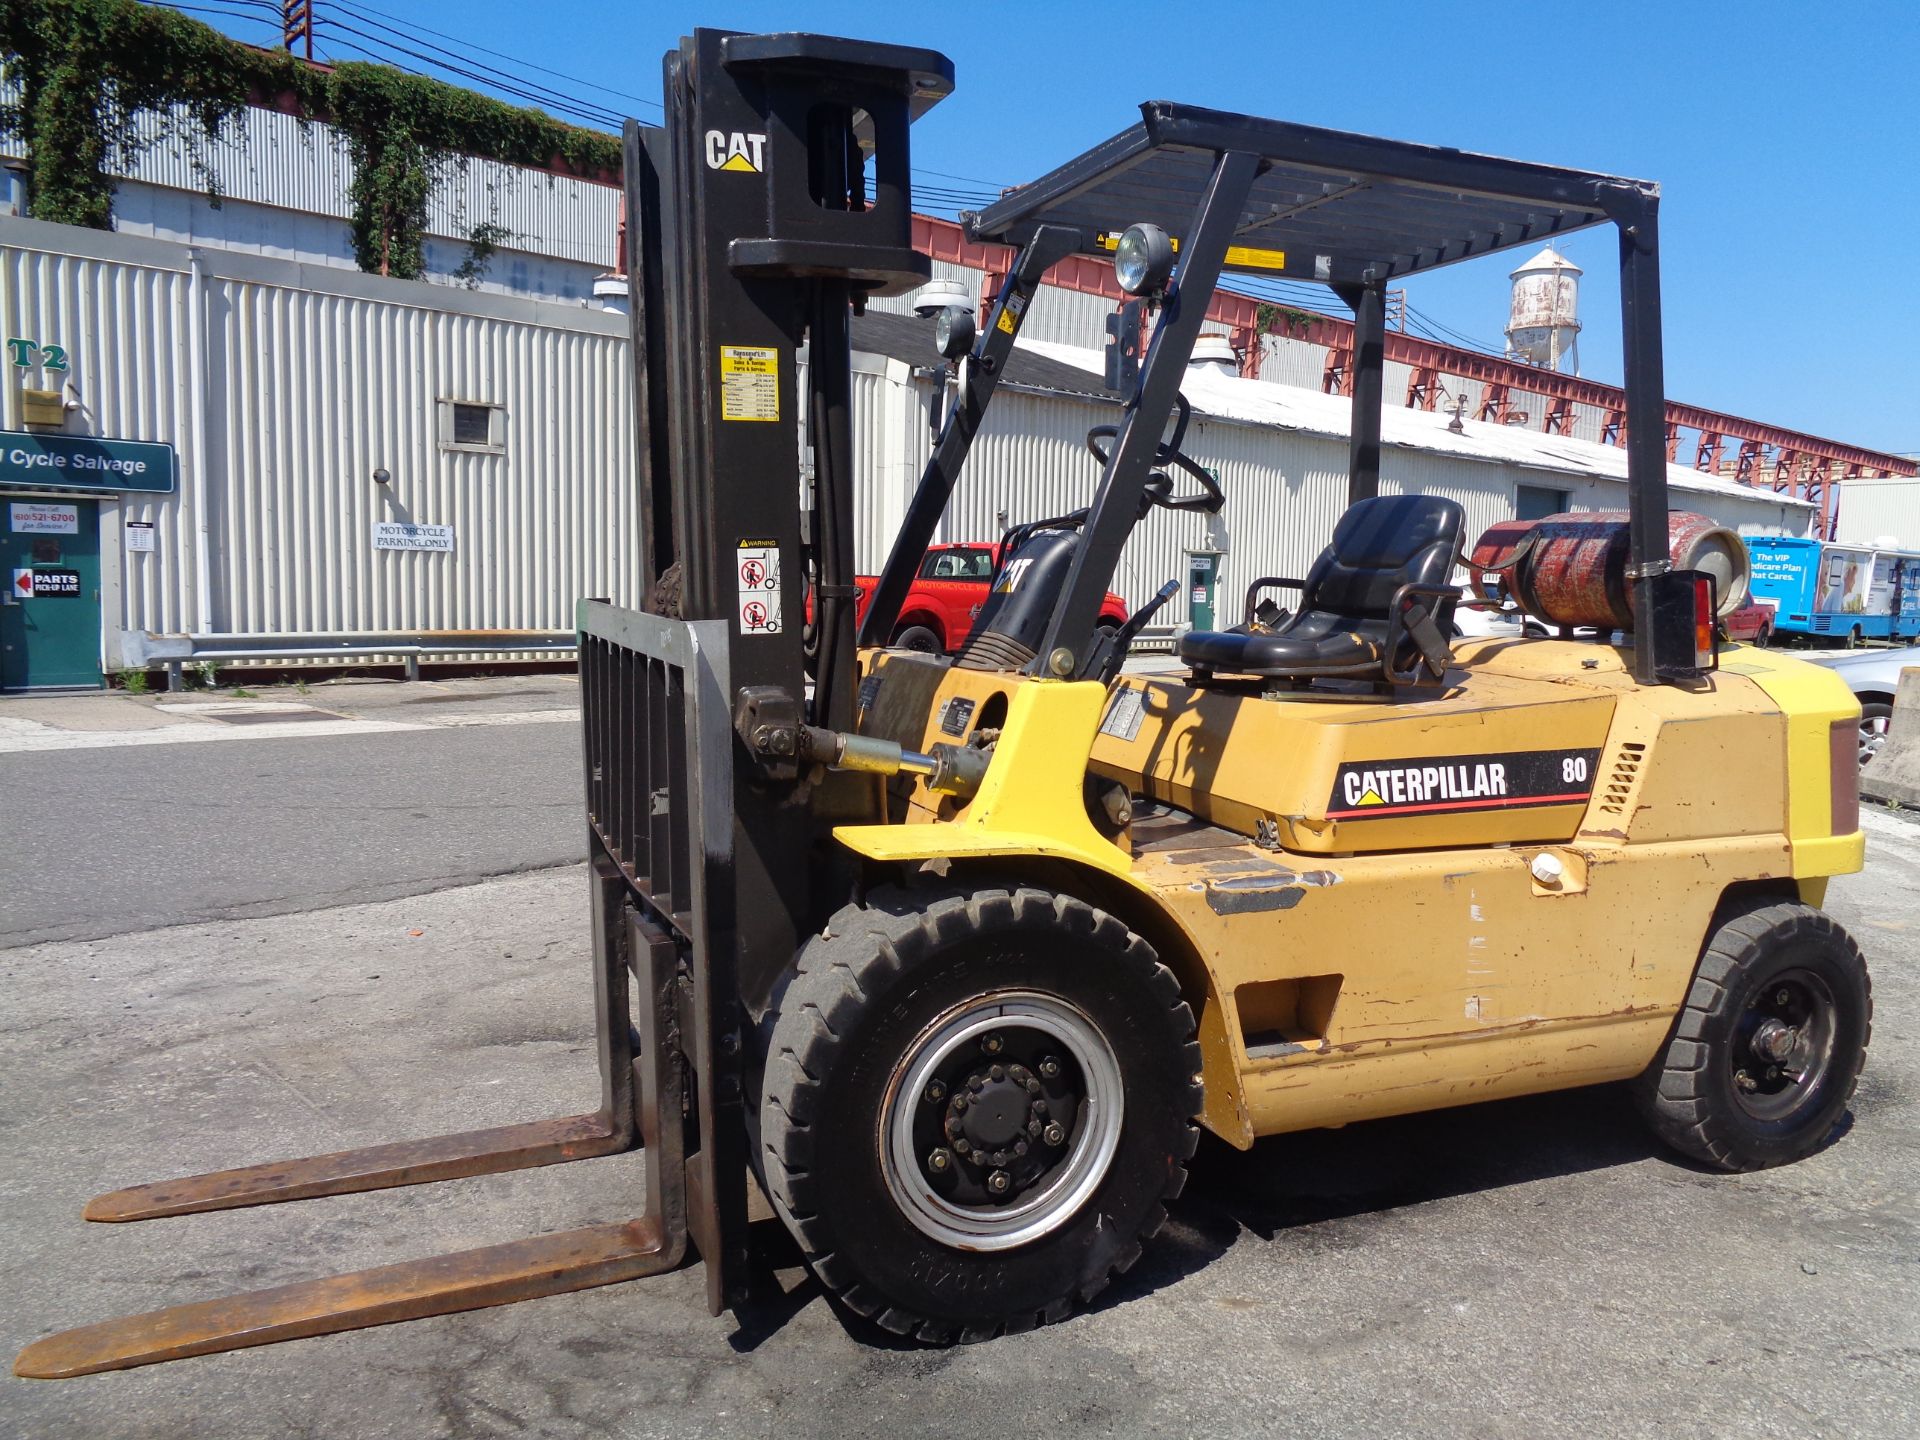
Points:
point(659, 847)
point(467, 1279)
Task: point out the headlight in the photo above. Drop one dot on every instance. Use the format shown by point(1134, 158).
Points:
point(953, 332)
point(1143, 260)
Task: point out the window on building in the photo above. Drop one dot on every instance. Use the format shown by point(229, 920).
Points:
point(1536, 502)
point(474, 426)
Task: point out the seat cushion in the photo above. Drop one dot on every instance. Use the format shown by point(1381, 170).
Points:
point(1317, 644)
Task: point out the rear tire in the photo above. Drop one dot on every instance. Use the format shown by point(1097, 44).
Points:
point(1766, 1052)
point(920, 638)
point(886, 1177)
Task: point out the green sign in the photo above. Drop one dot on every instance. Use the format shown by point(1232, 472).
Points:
point(81, 462)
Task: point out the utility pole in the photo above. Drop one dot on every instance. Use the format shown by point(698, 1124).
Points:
point(296, 23)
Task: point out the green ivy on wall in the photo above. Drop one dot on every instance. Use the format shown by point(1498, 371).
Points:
point(84, 70)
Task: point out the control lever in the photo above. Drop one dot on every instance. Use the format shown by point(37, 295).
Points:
point(1117, 647)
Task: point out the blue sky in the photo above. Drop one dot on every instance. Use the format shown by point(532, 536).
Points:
point(1784, 137)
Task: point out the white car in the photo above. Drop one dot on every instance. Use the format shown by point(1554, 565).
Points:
point(1873, 676)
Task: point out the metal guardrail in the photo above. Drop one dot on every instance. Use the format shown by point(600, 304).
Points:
point(176, 651)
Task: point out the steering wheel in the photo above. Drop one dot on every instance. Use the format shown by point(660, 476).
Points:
point(1159, 488)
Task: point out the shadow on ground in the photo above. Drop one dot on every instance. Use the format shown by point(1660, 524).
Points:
point(1304, 1182)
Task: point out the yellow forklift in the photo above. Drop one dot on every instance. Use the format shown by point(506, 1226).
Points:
point(953, 959)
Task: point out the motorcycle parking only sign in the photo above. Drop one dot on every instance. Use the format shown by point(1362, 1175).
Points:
point(757, 569)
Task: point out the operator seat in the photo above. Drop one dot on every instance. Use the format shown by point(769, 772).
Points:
point(1345, 626)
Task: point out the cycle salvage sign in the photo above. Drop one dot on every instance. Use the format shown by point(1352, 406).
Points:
point(82, 462)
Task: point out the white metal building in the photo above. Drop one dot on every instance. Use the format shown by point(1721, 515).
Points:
point(284, 194)
point(502, 426)
point(1879, 510)
point(1280, 453)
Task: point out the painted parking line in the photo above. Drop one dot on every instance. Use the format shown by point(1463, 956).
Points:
point(29, 736)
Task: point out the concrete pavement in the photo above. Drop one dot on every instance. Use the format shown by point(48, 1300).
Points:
point(1522, 1269)
point(143, 812)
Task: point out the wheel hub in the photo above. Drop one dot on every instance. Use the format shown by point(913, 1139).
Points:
point(1002, 1119)
point(995, 1116)
point(1784, 1042)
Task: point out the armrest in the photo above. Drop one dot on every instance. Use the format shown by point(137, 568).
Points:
point(1264, 582)
point(1414, 614)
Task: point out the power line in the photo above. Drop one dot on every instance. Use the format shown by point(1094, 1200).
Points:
point(364, 12)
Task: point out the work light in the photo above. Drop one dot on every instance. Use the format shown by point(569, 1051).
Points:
point(953, 332)
point(1143, 260)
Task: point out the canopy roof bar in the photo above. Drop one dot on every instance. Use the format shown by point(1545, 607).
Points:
point(1344, 209)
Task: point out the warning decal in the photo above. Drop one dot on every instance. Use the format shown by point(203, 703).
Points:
point(749, 382)
point(1253, 258)
point(758, 570)
point(1375, 789)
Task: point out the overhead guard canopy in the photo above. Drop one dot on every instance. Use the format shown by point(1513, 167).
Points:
point(1343, 209)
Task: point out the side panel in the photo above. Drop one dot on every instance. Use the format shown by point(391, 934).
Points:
point(1454, 977)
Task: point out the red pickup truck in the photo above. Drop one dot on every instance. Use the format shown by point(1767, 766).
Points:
point(947, 595)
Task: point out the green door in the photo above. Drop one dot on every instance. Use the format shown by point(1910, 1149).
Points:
point(1201, 569)
point(50, 621)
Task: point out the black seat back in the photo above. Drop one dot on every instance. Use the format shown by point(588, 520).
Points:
point(1345, 627)
point(1379, 545)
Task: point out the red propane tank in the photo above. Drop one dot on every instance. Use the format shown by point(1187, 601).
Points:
point(1572, 569)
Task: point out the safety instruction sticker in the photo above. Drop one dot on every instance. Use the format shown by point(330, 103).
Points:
point(749, 382)
point(1252, 257)
point(1375, 789)
point(757, 567)
point(1011, 312)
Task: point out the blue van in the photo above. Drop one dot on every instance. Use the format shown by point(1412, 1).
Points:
point(1827, 593)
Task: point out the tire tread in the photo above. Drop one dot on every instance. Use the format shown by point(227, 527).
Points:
point(861, 950)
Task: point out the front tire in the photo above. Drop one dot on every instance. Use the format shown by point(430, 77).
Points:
point(1766, 1052)
point(975, 1106)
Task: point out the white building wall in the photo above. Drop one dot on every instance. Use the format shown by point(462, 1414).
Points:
point(285, 193)
point(315, 377)
point(1285, 491)
point(1873, 509)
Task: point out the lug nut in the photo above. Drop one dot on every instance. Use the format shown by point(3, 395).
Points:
point(1033, 1126)
point(1782, 995)
point(936, 1092)
point(961, 1147)
point(1053, 1134)
point(998, 1072)
point(992, 1042)
point(959, 1102)
point(999, 1182)
point(938, 1162)
point(1050, 1068)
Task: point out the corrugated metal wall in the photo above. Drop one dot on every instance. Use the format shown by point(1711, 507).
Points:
point(1873, 509)
point(306, 167)
point(315, 378)
point(1285, 491)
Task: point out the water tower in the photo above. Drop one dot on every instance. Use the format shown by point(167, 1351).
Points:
point(1543, 327)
